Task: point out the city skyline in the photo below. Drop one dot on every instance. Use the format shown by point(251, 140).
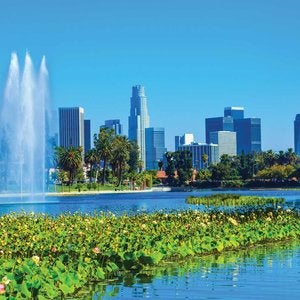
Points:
point(194, 60)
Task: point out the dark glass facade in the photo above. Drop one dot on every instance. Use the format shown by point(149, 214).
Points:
point(217, 124)
point(297, 134)
point(234, 112)
point(87, 135)
point(248, 135)
point(115, 125)
point(71, 127)
point(155, 147)
point(138, 119)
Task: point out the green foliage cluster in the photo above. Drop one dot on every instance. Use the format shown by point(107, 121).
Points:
point(44, 256)
point(259, 168)
point(232, 200)
point(113, 160)
point(179, 168)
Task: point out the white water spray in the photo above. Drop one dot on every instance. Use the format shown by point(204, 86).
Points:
point(23, 126)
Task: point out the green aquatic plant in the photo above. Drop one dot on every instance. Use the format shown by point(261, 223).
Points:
point(44, 256)
point(233, 200)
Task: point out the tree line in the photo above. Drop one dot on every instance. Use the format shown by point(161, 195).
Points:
point(262, 166)
point(112, 160)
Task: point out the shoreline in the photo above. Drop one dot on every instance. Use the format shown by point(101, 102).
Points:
point(152, 190)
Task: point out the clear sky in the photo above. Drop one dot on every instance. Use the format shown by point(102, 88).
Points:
point(194, 57)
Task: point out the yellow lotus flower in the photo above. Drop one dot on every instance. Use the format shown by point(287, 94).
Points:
point(5, 280)
point(233, 221)
point(36, 259)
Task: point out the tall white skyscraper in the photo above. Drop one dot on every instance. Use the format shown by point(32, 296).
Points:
point(138, 119)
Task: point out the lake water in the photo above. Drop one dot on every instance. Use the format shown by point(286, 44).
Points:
point(267, 273)
point(271, 272)
point(123, 202)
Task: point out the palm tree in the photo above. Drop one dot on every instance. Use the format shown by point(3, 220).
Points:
point(103, 144)
point(69, 160)
point(204, 158)
point(290, 157)
point(91, 159)
point(120, 156)
point(160, 165)
point(63, 177)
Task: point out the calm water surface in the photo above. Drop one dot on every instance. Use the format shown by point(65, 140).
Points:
point(261, 273)
point(121, 203)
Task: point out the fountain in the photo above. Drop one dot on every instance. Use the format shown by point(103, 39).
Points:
point(24, 123)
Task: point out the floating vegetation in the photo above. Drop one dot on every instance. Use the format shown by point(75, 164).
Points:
point(233, 200)
point(44, 257)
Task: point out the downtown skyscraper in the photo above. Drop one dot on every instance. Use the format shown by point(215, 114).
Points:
point(71, 127)
point(138, 120)
point(297, 134)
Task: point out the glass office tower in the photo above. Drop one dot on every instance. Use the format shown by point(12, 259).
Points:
point(234, 112)
point(87, 135)
point(197, 150)
point(297, 134)
point(71, 127)
point(155, 147)
point(114, 124)
point(248, 135)
point(138, 120)
point(217, 124)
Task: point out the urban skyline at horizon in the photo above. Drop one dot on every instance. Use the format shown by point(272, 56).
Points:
point(173, 148)
point(193, 60)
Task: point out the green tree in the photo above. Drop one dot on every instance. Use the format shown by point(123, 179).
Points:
point(134, 155)
point(245, 165)
point(184, 166)
point(120, 156)
point(170, 168)
point(225, 169)
point(62, 177)
point(103, 145)
point(277, 172)
point(203, 174)
point(291, 157)
point(204, 159)
point(160, 165)
point(69, 160)
point(91, 159)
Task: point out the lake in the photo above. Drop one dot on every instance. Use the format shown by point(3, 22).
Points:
point(124, 202)
point(266, 272)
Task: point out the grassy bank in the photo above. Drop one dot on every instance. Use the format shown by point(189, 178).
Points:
point(232, 200)
point(51, 257)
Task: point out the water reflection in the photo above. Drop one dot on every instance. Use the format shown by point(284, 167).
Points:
point(265, 272)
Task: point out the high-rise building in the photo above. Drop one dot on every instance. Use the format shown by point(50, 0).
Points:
point(226, 141)
point(217, 124)
point(297, 134)
point(197, 150)
point(248, 135)
point(115, 125)
point(87, 135)
point(234, 112)
point(185, 139)
point(155, 147)
point(138, 119)
point(71, 127)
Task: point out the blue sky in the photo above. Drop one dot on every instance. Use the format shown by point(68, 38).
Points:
point(194, 57)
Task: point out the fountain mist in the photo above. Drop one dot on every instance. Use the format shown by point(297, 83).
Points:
point(23, 128)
